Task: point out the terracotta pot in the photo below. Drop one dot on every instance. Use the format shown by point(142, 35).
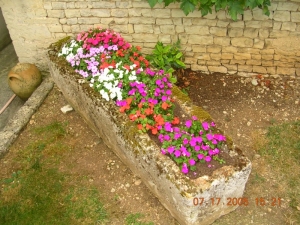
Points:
point(23, 79)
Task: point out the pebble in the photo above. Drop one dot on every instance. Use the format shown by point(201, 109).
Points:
point(256, 156)
point(138, 182)
point(269, 210)
point(66, 109)
point(254, 82)
point(248, 123)
point(112, 190)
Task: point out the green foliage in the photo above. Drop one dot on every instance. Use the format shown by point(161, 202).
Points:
point(133, 219)
point(168, 58)
point(234, 7)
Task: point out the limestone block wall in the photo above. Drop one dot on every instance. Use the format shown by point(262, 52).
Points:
point(255, 44)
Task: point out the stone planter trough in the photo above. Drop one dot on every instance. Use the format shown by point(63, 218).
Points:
point(179, 194)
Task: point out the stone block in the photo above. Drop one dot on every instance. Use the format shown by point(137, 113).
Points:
point(204, 56)
point(248, 15)
point(71, 13)
point(223, 41)
point(103, 4)
point(286, 71)
point(295, 17)
point(88, 20)
point(253, 24)
point(57, 28)
point(190, 60)
point(227, 56)
point(201, 68)
point(162, 21)
point(267, 63)
point(200, 22)
point(259, 69)
point(229, 49)
point(282, 16)
point(145, 37)
point(221, 15)
point(217, 69)
point(47, 5)
point(237, 24)
point(188, 21)
point(59, 5)
point(66, 28)
point(267, 24)
point(124, 4)
point(239, 62)
point(179, 29)
point(243, 68)
point(167, 29)
point(241, 56)
point(72, 21)
point(235, 32)
point(120, 28)
point(134, 12)
point(201, 30)
point(259, 15)
point(256, 57)
point(100, 13)
point(141, 20)
point(177, 21)
point(197, 39)
point(213, 49)
point(70, 5)
point(215, 56)
point(279, 33)
point(198, 48)
point(267, 57)
point(214, 63)
point(82, 5)
point(119, 12)
point(231, 67)
point(263, 33)
point(221, 23)
point(242, 42)
point(287, 6)
point(258, 44)
point(251, 32)
point(218, 31)
point(56, 13)
point(143, 28)
point(290, 26)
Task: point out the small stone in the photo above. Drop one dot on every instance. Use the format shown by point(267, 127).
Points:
point(254, 82)
point(224, 112)
point(256, 156)
point(186, 83)
point(248, 123)
point(297, 102)
point(298, 208)
point(127, 185)
point(269, 210)
point(138, 182)
point(112, 190)
point(66, 109)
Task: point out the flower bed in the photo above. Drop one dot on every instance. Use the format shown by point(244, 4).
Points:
point(147, 98)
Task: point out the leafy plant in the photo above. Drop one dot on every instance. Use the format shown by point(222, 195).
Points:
point(168, 58)
point(234, 7)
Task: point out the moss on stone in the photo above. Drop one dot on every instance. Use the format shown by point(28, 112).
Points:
point(180, 95)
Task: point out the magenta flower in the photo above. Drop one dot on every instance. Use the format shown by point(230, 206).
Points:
point(163, 151)
point(200, 156)
point(185, 141)
point(158, 82)
point(164, 98)
point(184, 168)
point(168, 92)
point(194, 118)
point(168, 126)
point(171, 149)
point(197, 148)
point(205, 125)
point(177, 135)
point(209, 136)
point(192, 162)
point(188, 123)
point(167, 137)
point(177, 153)
point(207, 158)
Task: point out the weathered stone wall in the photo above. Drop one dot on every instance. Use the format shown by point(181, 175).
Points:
point(4, 35)
point(214, 43)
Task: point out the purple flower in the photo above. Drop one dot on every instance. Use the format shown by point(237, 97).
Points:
point(131, 92)
point(204, 147)
point(177, 135)
point(163, 151)
point(210, 152)
point(158, 82)
point(184, 168)
point(171, 149)
point(183, 149)
point(168, 126)
point(212, 124)
point(168, 92)
point(188, 123)
point(207, 158)
point(164, 98)
point(200, 156)
point(209, 136)
point(185, 141)
point(219, 137)
point(164, 79)
point(197, 148)
point(150, 72)
point(193, 142)
point(194, 118)
point(167, 137)
point(216, 151)
point(205, 125)
point(177, 153)
point(192, 162)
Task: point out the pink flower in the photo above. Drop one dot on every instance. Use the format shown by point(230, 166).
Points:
point(184, 168)
point(192, 162)
point(200, 156)
point(177, 153)
point(205, 125)
point(207, 158)
point(194, 118)
point(188, 123)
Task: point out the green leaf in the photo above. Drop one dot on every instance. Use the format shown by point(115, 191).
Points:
point(235, 8)
point(260, 2)
point(168, 2)
point(251, 4)
point(180, 63)
point(187, 6)
point(266, 11)
point(178, 56)
point(152, 3)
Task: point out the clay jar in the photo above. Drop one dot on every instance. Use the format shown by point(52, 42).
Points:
point(23, 79)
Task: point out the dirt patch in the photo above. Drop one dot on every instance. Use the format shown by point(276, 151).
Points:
point(242, 107)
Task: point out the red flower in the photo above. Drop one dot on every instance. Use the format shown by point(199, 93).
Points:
point(140, 105)
point(175, 120)
point(154, 130)
point(127, 67)
point(148, 126)
point(148, 111)
point(138, 48)
point(164, 105)
point(140, 126)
